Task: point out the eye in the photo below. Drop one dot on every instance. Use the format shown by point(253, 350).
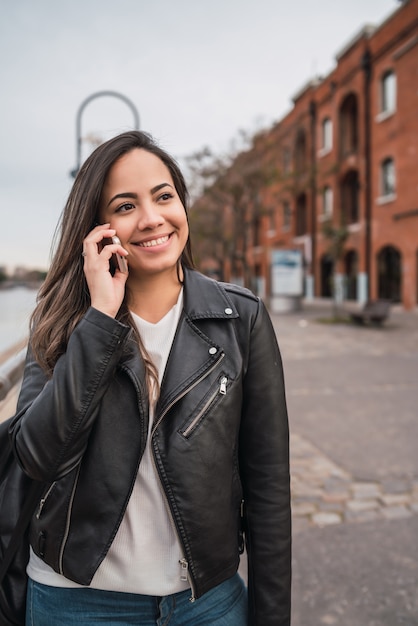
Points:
point(167, 195)
point(127, 206)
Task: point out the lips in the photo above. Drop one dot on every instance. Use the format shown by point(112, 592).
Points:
point(153, 242)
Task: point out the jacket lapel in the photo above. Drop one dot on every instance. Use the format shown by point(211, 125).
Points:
point(193, 353)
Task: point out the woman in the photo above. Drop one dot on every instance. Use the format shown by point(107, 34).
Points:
point(153, 408)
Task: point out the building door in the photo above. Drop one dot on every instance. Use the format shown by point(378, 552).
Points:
point(389, 268)
point(351, 269)
point(327, 268)
point(416, 278)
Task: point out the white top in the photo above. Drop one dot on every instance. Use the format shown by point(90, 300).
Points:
point(144, 556)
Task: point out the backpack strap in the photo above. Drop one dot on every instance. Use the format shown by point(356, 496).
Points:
point(25, 516)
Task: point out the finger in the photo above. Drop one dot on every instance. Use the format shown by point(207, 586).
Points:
point(95, 237)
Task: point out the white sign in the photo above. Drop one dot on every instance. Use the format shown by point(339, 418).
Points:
point(286, 273)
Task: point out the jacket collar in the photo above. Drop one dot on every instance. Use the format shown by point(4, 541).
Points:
point(205, 298)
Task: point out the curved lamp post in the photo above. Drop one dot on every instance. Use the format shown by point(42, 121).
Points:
point(81, 108)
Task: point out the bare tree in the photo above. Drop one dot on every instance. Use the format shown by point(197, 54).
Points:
point(336, 237)
point(228, 203)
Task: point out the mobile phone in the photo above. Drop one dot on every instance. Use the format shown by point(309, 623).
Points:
point(118, 259)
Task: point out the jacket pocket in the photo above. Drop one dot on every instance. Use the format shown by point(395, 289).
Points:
point(211, 399)
point(44, 499)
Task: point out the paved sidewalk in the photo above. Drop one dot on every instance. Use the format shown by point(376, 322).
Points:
point(353, 408)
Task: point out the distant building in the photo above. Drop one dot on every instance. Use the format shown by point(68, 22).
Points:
point(347, 153)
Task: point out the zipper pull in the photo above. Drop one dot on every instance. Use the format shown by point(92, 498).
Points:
point(41, 506)
point(222, 387)
point(184, 570)
point(184, 577)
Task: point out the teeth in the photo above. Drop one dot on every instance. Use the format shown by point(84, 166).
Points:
point(154, 242)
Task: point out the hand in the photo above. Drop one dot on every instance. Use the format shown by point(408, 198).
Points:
point(106, 291)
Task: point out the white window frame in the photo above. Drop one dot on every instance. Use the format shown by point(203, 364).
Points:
point(327, 134)
point(327, 203)
point(388, 178)
point(387, 95)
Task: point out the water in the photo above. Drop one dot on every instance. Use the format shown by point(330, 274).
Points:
point(16, 305)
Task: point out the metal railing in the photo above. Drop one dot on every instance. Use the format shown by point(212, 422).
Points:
point(11, 372)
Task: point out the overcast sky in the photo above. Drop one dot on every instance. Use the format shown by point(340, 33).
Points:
point(196, 71)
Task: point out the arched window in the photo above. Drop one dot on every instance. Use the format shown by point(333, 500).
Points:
point(300, 151)
point(388, 177)
point(389, 273)
point(326, 134)
point(301, 216)
point(327, 201)
point(388, 92)
point(350, 197)
point(348, 126)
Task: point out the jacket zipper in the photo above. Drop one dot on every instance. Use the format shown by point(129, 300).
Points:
point(184, 574)
point(68, 522)
point(44, 499)
point(185, 577)
point(183, 393)
point(221, 389)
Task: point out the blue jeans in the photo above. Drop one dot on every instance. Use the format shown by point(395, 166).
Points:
point(224, 605)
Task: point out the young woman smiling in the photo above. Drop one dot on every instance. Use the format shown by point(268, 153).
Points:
point(153, 409)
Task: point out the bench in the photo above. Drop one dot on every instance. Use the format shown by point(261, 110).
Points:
point(373, 312)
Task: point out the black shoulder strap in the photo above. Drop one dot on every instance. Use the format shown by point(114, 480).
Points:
point(33, 495)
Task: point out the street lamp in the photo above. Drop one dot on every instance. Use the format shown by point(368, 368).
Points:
point(81, 108)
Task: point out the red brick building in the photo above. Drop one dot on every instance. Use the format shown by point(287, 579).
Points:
point(347, 153)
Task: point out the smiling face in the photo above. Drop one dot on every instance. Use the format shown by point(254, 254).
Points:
point(141, 203)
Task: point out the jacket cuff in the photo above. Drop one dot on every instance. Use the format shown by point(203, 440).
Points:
point(106, 323)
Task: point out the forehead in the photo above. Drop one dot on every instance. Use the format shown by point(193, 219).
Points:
point(138, 167)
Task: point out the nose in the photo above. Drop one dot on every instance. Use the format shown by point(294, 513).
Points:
point(149, 217)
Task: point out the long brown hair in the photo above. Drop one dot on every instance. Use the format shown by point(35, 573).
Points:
point(64, 296)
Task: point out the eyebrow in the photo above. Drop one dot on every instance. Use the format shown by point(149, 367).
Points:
point(134, 196)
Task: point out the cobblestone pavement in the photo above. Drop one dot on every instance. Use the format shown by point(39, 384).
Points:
point(324, 490)
point(324, 493)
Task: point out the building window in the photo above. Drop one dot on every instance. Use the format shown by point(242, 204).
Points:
point(388, 92)
point(300, 151)
point(327, 202)
point(301, 216)
point(272, 220)
point(257, 230)
point(287, 215)
point(350, 198)
point(388, 178)
point(326, 134)
point(348, 126)
point(287, 160)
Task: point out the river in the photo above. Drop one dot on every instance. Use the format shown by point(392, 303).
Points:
point(16, 305)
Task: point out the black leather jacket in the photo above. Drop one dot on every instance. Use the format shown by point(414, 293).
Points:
point(220, 437)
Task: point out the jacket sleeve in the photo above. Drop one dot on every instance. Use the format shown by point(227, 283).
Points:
point(264, 463)
point(54, 416)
